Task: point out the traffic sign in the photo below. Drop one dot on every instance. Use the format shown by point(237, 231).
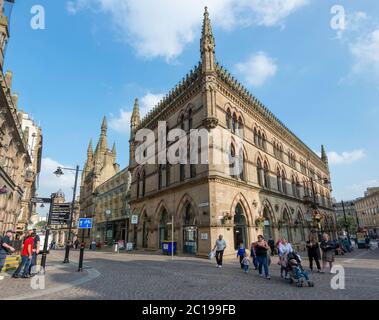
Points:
point(40, 200)
point(60, 213)
point(85, 223)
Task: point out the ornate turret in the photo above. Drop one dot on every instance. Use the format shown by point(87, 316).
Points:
point(135, 119)
point(207, 45)
point(324, 157)
point(101, 147)
point(114, 149)
point(89, 150)
point(4, 33)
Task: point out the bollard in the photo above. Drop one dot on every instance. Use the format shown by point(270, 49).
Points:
point(81, 255)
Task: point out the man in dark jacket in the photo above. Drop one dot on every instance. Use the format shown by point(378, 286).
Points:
point(5, 248)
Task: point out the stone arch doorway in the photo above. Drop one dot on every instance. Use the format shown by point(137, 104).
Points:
point(164, 233)
point(285, 227)
point(240, 227)
point(145, 231)
point(268, 232)
point(189, 230)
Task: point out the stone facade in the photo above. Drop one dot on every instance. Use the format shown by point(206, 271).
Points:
point(368, 211)
point(99, 167)
point(20, 149)
point(275, 194)
point(111, 220)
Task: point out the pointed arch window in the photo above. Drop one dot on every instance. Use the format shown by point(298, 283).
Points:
point(234, 123)
point(284, 184)
point(160, 169)
point(143, 183)
point(182, 122)
point(255, 137)
point(259, 139)
point(266, 175)
point(294, 187)
point(168, 173)
point(240, 127)
point(279, 180)
point(259, 172)
point(228, 119)
point(182, 171)
point(138, 184)
point(264, 145)
point(190, 120)
point(241, 160)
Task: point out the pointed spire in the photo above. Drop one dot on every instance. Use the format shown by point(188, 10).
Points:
point(89, 150)
point(324, 157)
point(114, 148)
point(104, 126)
point(135, 119)
point(207, 44)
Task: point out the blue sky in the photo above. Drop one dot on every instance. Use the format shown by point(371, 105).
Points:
point(95, 56)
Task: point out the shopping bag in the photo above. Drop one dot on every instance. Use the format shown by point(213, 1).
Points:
point(211, 255)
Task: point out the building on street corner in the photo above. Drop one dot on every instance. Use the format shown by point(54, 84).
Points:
point(282, 190)
point(20, 149)
point(368, 211)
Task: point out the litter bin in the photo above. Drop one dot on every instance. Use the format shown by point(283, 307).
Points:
point(168, 247)
point(92, 245)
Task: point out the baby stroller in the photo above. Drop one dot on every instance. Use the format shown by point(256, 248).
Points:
point(296, 272)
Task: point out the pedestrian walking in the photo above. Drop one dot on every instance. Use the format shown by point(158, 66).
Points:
point(327, 246)
point(271, 244)
point(261, 249)
point(76, 243)
point(5, 249)
point(284, 249)
point(220, 246)
point(26, 257)
point(253, 255)
point(245, 263)
point(241, 253)
point(313, 249)
point(36, 246)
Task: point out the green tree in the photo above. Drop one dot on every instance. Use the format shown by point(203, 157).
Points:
point(350, 224)
point(40, 225)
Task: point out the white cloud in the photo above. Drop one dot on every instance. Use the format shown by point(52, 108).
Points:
point(360, 188)
point(49, 183)
point(162, 28)
point(366, 52)
point(122, 122)
point(257, 69)
point(346, 157)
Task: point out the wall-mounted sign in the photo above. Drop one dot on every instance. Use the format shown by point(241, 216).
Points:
point(108, 212)
point(204, 204)
point(204, 236)
point(134, 219)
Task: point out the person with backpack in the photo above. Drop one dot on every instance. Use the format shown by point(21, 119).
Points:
point(5, 249)
point(261, 249)
point(26, 256)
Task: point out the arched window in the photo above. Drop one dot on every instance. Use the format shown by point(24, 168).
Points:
point(138, 184)
point(241, 160)
point(232, 161)
point(160, 169)
point(293, 186)
point(297, 188)
point(259, 172)
point(284, 184)
point(240, 127)
point(189, 119)
point(168, 172)
point(228, 119)
point(266, 176)
point(264, 145)
point(192, 170)
point(279, 180)
point(182, 122)
point(259, 139)
point(182, 171)
point(255, 137)
point(143, 183)
point(234, 123)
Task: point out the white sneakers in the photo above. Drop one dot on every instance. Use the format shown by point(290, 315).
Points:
point(1, 277)
point(218, 266)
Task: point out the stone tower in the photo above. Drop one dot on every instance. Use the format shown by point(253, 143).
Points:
point(4, 33)
point(135, 121)
point(324, 157)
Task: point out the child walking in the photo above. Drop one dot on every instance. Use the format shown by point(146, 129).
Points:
point(245, 263)
point(241, 253)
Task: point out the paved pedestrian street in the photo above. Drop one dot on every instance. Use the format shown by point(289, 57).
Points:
point(141, 275)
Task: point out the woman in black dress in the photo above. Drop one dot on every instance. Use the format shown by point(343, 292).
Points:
point(313, 252)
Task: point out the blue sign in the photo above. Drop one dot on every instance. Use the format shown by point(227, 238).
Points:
point(85, 223)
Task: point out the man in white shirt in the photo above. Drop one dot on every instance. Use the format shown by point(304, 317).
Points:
point(220, 246)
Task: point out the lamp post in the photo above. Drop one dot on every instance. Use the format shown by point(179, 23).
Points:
point(59, 173)
point(108, 212)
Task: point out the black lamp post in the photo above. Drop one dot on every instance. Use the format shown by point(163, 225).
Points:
point(58, 173)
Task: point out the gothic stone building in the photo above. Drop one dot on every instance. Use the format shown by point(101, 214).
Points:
point(99, 167)
point(281, 179)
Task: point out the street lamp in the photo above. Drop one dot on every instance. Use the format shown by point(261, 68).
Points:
point(58, 173)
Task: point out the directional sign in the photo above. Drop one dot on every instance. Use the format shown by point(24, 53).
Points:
point(40, 200)
point(60, 212)
point(85, 223)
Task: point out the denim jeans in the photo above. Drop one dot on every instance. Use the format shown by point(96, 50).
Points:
point(23, 268)
point(262, 261)
point(33, 262)
point(246, 267)
point(3, 256)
